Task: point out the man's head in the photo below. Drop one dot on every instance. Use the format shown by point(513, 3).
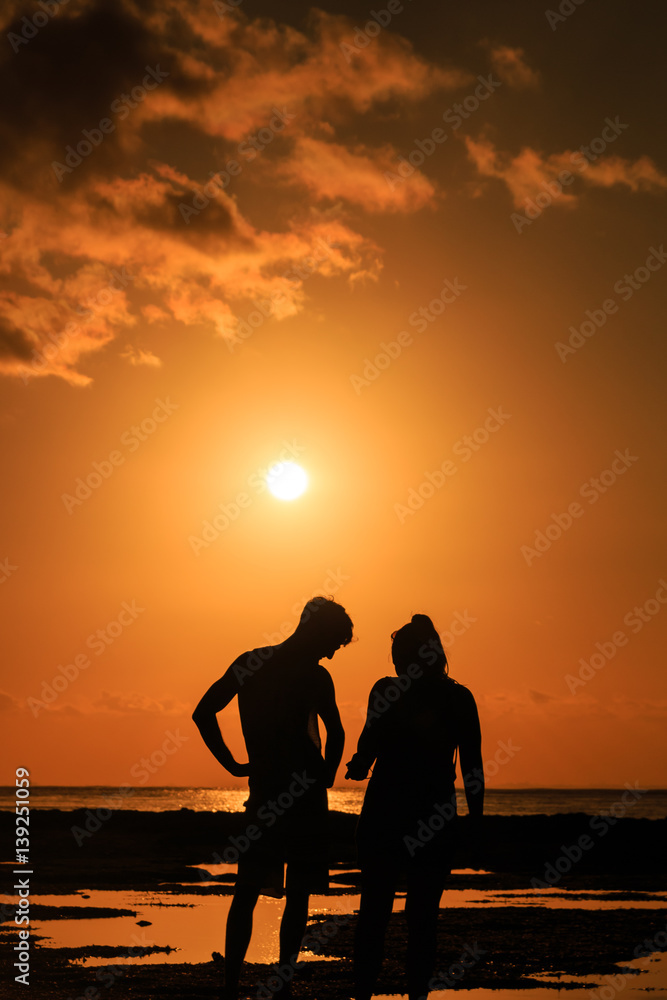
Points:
point(324, 627)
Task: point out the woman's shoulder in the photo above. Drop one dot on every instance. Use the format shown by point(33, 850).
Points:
point(461, 696)
point(385, 682)
point(460, 690)
point(445, 684)
point(390, 688)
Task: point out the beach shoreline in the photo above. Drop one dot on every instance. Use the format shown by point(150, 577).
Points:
point(531, 869)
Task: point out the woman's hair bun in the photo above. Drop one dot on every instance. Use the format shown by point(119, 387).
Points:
point(423, 623)
point(417, 642)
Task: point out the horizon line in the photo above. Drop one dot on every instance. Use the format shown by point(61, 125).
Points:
point(231, 788)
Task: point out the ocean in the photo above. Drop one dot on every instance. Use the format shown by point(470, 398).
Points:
point(651, 804)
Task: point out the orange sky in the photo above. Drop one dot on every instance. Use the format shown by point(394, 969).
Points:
point(431, 270)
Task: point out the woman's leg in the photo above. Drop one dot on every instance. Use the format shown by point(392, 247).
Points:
point(422, 903)
point(377, 897)
point(293, 925)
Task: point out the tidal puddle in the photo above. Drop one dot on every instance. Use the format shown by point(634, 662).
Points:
point(193, 925)
point(648, 978)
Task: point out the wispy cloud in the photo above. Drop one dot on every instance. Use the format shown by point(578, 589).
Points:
point(510, 64)
point(137, 356)
point(127, 703)
point(331, 171)
point(530, 171)
point(119, 202)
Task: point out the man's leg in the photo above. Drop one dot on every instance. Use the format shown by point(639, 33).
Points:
point(305, 834)
point(237, 937)
point(377, 897)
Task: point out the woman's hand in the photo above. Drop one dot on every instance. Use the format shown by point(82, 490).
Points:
point(357, 770)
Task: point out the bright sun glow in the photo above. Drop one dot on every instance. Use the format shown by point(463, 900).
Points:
point(286, 480)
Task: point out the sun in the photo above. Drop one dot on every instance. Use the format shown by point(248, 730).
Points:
point(286, 480)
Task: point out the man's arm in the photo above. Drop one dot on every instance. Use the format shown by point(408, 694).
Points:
point(470, 748)
point(330, 716)
point(216, 698)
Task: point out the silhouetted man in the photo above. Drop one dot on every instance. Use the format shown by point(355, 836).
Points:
point(281, 692)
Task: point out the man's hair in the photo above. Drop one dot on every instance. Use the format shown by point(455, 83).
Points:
point(321, 616)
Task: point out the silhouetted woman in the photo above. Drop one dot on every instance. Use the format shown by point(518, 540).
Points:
point(415, 724)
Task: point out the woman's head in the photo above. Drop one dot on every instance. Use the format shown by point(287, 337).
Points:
point(418, 644)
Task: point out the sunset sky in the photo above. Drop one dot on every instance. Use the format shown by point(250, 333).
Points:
point(423, 255)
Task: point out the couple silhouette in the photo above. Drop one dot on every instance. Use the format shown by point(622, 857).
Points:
point(416, 724)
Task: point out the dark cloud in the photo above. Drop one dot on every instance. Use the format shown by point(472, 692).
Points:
point(214, 218)
point(13, 342)
point(7, 703)
point(67, 78)
point(540, 698)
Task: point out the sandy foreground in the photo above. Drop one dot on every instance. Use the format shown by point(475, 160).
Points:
point(506, 946)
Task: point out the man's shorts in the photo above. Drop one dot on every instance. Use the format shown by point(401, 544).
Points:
point(295, 835)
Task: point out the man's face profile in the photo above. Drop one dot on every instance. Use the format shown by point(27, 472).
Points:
point(329, 648)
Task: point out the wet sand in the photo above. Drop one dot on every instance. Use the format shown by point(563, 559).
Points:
point(508, 946)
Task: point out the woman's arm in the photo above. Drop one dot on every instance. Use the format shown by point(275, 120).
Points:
point(367, 748)
point(470, 750)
